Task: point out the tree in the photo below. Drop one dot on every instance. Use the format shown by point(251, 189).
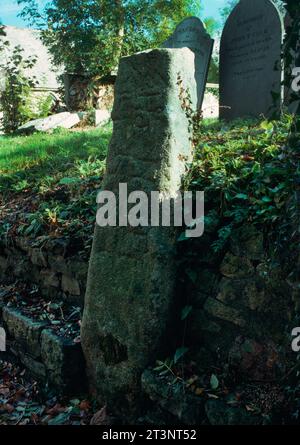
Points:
point(89, 36)
point(3, 42)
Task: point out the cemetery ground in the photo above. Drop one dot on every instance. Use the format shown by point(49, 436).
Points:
point(48, 190)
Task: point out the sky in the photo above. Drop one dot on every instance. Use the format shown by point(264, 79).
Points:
point(9, 11)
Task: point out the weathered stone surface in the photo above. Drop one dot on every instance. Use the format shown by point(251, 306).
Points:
point(60, 120)
point(219, 413)
point(23, 243)
point(207, 281)
point(258, 361)
point(38, 257)
point(78, 268)
point(250, 67)
point(70, 285)
point(199, 323)
point(236, 267)
point(191, 33)
point(248, 242)
point(185, 407)
point(102, 117)
point(49, 278)
point(129, 294)
point(226, 313)
point(35, 367)
point(26, 331)
point(246, 292)
point(58, 263)
point(3, 265)
point(64, 362)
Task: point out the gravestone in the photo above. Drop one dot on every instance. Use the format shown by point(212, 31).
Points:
point(250, 69)
point(131, 280)
point(292, 72)
point(191, 33)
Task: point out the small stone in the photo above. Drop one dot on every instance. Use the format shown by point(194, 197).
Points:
point(63, 360)
point(248, 242)
point(38, 257)
point(70, 285)
point(254, 360)
point(226, 313)
point(247, 292)
point(58, 263)
point(24, 330)
point(60, 120)
point(236, 267)
point(36, 368)
point(49, 278)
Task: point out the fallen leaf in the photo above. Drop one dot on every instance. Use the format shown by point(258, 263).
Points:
point(100, 418)
point(84, 405)
point(199, 391)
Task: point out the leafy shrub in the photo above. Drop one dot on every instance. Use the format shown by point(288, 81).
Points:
point(44, 106)
point(15, 97)
point(248, 170)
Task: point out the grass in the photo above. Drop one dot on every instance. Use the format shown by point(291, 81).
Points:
point(36, 156)
point(17, 152)
point(49, 183)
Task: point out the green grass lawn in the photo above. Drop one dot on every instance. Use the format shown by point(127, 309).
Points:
point(49, 183)
point(33, 157)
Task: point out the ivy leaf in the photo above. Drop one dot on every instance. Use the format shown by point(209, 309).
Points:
point(67, 181)
point(241, 196)
point(186, 312)
point(180, 353)
point(214, 382)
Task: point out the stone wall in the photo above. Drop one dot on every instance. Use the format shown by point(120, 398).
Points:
point(52, 359)
point(55, 265)
point(83, 92)
point(244, 306)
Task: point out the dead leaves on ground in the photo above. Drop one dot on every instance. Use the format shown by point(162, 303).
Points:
point(21, 403)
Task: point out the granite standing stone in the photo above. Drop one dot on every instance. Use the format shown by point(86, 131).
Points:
point(191, 33)
point(131, 280)
point(250, 69)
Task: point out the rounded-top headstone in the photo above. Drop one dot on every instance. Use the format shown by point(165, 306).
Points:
point(250, 61)
point(191, 33)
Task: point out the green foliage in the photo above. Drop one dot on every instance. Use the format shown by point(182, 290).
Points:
point(168, 367)
point(247, 172)
point(43, 108)
point(15, 97)
point(63, 171)
point(90, 36)
point(226, 10)
point(214, 382)
point(3, 42)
